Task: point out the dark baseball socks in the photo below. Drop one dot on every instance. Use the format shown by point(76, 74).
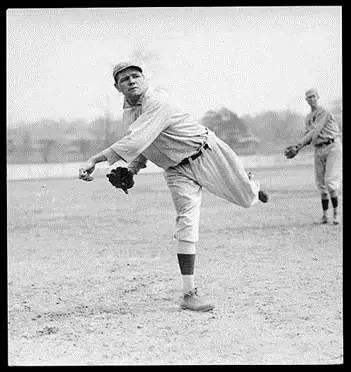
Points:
point(334, 201)
point(325, 207)
point(186, 261)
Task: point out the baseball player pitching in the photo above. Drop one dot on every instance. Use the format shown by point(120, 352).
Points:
point(322, 131)
point(192, 157)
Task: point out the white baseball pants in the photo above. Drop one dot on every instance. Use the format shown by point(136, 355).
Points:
point(220, 171)
point(327, 165)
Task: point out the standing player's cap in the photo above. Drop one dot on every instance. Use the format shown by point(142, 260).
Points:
point(312, 91)
point(123, 66)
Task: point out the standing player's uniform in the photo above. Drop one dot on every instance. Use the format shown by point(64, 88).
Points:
point(192, 156)
point(322, 130)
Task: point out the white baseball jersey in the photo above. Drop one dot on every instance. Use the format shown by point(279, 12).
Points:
point(320, 127)
point(161, 132)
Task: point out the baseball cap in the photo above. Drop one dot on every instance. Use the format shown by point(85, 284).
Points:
point(123, 66)
point(311, 91)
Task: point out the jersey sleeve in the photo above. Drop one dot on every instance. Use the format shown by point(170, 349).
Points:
point(143, 131)
point(111, 156)
point(138, 163)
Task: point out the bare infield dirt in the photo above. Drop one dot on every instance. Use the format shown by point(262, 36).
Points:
point(93, 277)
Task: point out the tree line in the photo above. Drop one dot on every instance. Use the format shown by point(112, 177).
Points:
point(48, 140)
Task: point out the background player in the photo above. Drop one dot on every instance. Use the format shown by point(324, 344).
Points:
point(323, 132)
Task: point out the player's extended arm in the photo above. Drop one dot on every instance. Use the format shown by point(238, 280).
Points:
point(88, 168)
point(291, 151)
point(321, 119)
point(137, 164)
point(310, 135)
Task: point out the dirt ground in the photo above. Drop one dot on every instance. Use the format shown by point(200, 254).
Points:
point(93, 277)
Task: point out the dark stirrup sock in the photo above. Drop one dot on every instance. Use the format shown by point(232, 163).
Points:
point(186, 263)
point(334, 200)
point(325, 204)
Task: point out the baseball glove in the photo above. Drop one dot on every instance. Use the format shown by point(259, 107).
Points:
point(121, 178)
point(291, 151)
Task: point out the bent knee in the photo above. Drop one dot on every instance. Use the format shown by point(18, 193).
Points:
point(332, 187)
point(332, 190)
point(187, 228)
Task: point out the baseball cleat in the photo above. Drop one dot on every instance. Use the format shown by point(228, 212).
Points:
point(192, 301)
point(336, 220)
point(263, 196)
point(324, 220)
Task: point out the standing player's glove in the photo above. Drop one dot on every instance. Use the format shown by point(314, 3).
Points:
point(121, 178)
point(291, 151)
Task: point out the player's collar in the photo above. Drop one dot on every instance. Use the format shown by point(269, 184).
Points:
point(318, 108)
point(127, 104)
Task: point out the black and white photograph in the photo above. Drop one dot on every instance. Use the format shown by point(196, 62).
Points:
point(174, 186)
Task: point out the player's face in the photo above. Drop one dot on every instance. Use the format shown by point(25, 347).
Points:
point(312, 99)
point(131, 83)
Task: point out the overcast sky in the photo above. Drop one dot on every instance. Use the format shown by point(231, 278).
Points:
point(248, 59)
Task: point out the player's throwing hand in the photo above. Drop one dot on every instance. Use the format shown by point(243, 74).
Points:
point(86, 171)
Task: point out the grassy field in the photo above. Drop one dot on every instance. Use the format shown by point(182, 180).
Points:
point(93, 276)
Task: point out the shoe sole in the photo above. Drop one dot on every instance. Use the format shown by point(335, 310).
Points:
point(199, 309)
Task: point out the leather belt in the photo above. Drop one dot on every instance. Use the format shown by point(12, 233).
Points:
point(195, 156)
point(326, 143)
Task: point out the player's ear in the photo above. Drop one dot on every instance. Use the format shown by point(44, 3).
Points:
point(116, 86)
